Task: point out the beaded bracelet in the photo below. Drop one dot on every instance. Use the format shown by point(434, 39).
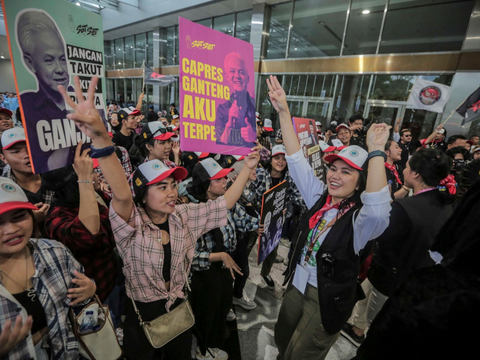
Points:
point(85, 181)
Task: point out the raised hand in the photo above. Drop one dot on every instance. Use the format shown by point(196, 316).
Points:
point(85, 114)
point(83, 163)
point(252, 159)
point(277, 94)
point(377, 136)
point(249, 134)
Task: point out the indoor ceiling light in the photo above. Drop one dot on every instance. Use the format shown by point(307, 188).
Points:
point(365, 12)
point(2, 57)
point(78, 4)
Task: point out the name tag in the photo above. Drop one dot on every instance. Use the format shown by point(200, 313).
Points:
point(300, 278)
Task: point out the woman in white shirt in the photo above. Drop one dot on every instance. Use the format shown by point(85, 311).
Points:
point(327, 247)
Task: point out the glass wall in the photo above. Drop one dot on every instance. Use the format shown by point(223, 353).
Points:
point(224, 24)
point(108, 54)
point(119, 54)
point(351, 96)
point(150, 48)
point(244, 25)
point(170, 58)
point(433, 25)
point(205, 22)
point(276, 43)
point(129, 52)
point(364, 27)
point(140, 47)
point(318, 29)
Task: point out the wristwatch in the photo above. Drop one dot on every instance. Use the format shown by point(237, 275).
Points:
point(377, 153)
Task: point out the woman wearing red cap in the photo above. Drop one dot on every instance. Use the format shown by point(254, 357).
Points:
point(39, 281)
point(155, 237)
point(327, 247)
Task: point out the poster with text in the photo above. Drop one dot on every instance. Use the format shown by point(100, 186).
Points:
point(273, 204)
point(51, 42)
point(217, 91)
point(308, 137)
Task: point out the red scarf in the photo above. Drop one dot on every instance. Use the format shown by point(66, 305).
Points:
point(393, 169)
point(449, 183)
point(318, 215)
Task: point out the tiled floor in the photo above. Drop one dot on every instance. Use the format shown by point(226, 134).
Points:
point(255, 328)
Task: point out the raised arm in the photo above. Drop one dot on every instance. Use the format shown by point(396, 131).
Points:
point(279, 102)
point(377, 137)
point(140, 100)
point(88, 212)
point(88, 120)
point(235, 191)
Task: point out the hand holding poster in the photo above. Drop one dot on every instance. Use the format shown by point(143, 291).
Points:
point(308, 137)
point(217, 96)
point(50, 42)
point(273, 204)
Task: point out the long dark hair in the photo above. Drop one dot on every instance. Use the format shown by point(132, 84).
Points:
point(199, 190)
point(268, 168)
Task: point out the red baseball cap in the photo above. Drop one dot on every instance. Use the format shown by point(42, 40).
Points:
point(12, 197)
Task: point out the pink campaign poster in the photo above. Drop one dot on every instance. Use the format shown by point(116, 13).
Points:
point(217, 91)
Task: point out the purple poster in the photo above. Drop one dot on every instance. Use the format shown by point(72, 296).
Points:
point(217, 92)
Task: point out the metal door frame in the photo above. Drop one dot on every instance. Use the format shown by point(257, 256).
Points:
point(306, 100)
point(400, 105)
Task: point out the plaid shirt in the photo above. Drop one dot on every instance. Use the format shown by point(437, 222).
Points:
point(238, 220)
point(94, 252)
point(265, 142)
point(127, 169)
point(263, 183)
point(140, 246)
point(48, 196)
point(53, 276)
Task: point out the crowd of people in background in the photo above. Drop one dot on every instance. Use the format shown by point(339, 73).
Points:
point(140, 220)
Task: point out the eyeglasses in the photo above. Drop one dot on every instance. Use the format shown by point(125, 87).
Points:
point(407, 135)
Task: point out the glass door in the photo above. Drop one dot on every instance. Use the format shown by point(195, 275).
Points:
point(384, 112)
point(318, 110)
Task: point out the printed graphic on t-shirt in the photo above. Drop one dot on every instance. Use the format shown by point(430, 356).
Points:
point(312, 261)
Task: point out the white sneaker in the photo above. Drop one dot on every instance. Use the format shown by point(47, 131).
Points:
point(244, 302)
point(231, 316)
point(217, 353)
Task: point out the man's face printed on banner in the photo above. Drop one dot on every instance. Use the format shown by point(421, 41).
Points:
point(48, 60)
point(236, 74)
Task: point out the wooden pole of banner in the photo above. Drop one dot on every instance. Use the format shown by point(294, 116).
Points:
point(449, 117)
point(143, 86)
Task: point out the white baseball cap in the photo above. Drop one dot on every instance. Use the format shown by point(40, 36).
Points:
point(174, 116)
point(325, 147)
point(318, 123)
point(278, 149)
point(353, 155)
point(342, 126)
point(153, 172)
point(214, 170)
point(257, 114)
point(201, 155)
point(267, 125)
point(12, 136)
point(12, 197)
point(157, 130)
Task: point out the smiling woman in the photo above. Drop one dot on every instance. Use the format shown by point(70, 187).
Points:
point(341, 218)
point(155, 237)
point(23, 284)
